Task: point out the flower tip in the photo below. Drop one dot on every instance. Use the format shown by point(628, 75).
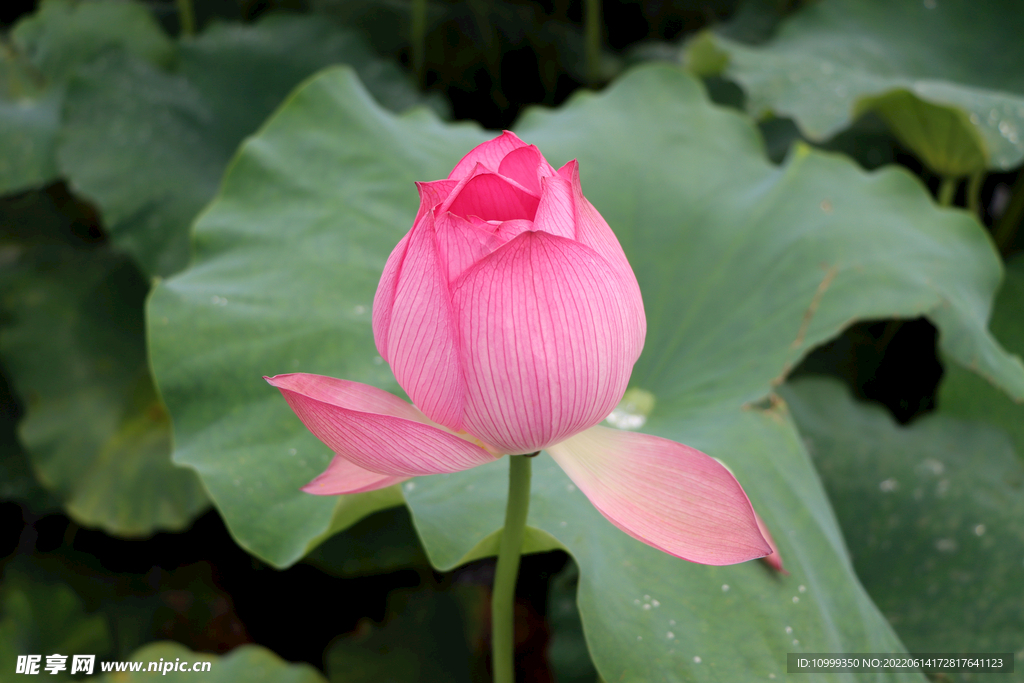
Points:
point(772, 559)
point(775, 562)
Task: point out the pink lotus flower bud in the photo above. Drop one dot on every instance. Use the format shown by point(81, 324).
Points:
point(509, 309)
point(511, 317)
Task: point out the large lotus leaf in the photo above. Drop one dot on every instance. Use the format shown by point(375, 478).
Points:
point(98, 436)
point(964, 394)
point(744, 266)
point(43, 51)
point(931, 515)
point(945, 74)
point(249, 663)
point(177, 130)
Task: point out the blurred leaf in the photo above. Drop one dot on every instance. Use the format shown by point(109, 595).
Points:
point(773, 261)
point(382, 542)
point(249, 663)
point(63, 34)
point(43, 51)
point(98, 436)
point(944, 74)
point(177, 130)
point(17, 481)
point(423, 640)
point(45, 618)
point(966, 395)
point(931, 514)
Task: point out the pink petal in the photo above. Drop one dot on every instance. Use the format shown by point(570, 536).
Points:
point(668, 495)
point(373, 429)
point(508, 230)
point(502, 230)
point(593, 231)
point(422, 345)
point(491, 197)
point(344, 476)
point(384, 299)
point(545, 338)
point(461, 243)
point(526, 166)
point(489, 154)
point(433, 193)
point(556, 213)
point(773, 560)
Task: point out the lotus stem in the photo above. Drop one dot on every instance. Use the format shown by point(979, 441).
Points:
point(974, 194)
point(509, 551)
point(186, 17)
point(592, 36)
point(946, 191)
point(419, 40)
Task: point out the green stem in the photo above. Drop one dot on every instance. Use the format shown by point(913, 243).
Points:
point(186, 17)
point(503, 597)
point(419, 39)
point(974, 194)
point(592, 36)
point(1006, 228)
point(946, 191)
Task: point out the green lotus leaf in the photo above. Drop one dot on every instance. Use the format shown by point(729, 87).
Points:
point(177, 129)
point(964, 394)
point(943, 73)
point(97, 435)
point(931, 514)
point(44, 618)
point(43, 50)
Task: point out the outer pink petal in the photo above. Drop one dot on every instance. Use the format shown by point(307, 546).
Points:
point(545, 342)
point(491, 197)
point(461, 243)
point(422, 338)
point(373, 429)
point(384, 299)
point(556, 213)
point(489, 154)
point(593, 231)
point(665, 494)
point(526, 166)
point(344, 476)
point(431, 194)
